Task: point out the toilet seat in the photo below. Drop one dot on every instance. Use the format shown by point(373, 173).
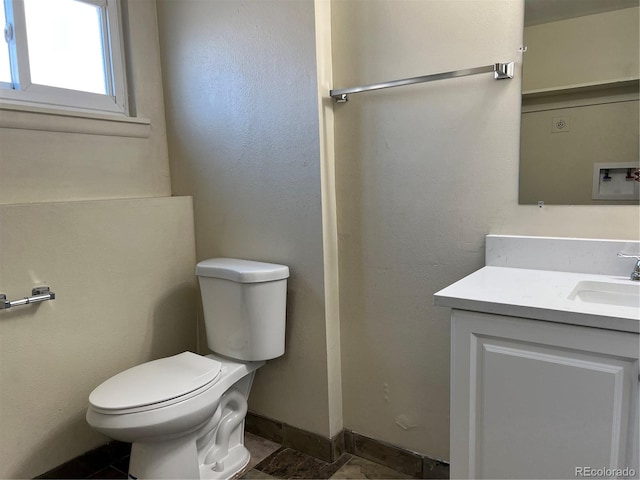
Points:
point(156, 384)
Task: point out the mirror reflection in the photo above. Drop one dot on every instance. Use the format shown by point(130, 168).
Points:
point(579, 141)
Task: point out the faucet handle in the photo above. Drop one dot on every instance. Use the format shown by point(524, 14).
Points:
point(635, 275)
point(626, 255)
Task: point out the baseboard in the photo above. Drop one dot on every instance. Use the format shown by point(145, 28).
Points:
point(399, 459)
point(286, 435)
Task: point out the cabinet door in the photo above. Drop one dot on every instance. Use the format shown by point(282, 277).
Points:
point(534, 399)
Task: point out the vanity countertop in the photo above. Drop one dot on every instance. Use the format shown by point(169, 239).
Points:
point(541, 295)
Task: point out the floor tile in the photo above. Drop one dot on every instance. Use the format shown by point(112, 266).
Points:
point(118, 450)
point(109, 472)
point(122, 464)
point(96, 459)
point(260, 448)
point(72, 469)
point(256, 475)
point(287, 463)
point(358, 467)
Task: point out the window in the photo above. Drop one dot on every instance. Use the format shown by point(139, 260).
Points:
point(63, 53)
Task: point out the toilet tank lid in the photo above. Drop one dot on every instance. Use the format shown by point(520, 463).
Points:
point(242, 271)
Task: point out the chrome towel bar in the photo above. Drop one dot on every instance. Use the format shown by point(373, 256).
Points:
point(38, 294)
point(500, 71)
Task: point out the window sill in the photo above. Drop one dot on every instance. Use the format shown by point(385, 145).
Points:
point(55, 119)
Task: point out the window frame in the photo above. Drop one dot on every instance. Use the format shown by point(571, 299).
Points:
point(23, 91)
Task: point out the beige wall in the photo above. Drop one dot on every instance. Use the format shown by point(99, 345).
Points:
point(240, 82)
point(558, 168)
point(121, 267)
point(582, 51)
point(125, 294)
point(330, 246)
point(423, 174)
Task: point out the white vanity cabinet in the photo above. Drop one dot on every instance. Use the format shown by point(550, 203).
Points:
point(538, 399)
point(545, 341)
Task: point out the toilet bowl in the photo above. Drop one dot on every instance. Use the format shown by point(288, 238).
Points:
point(184, 414)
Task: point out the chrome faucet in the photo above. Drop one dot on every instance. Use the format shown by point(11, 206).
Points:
point(635, 275)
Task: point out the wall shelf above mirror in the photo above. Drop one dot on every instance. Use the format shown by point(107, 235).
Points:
point(580, 97)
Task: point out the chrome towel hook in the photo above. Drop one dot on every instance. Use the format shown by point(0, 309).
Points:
point(38, 294)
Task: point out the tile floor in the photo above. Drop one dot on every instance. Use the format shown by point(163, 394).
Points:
point(269, 460)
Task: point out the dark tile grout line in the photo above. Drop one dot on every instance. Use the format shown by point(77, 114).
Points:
point(119, 473)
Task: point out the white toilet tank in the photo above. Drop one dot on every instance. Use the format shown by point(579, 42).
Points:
point(244, 307)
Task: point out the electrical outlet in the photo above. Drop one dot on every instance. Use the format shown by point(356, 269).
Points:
point(560, 124)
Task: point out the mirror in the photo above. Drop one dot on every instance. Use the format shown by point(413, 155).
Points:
point(579, 139)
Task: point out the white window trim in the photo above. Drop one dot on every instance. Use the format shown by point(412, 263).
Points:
point(54, 119)
point(33, 94)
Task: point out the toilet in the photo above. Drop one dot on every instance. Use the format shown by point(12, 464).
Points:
point(184, 414)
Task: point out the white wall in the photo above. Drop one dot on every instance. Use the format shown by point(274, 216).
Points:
point(423, 174)
point(85, 208)
point(242, 118)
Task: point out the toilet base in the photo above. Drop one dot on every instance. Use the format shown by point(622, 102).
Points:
point(236, 460)
point(178, 459)
point(214, 451)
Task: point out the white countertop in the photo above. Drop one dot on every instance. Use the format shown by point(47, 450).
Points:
point(538, 294)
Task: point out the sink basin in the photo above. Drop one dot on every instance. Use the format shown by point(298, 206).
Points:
point(608, 293)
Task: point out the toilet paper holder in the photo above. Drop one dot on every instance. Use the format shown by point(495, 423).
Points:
point(38, 294)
